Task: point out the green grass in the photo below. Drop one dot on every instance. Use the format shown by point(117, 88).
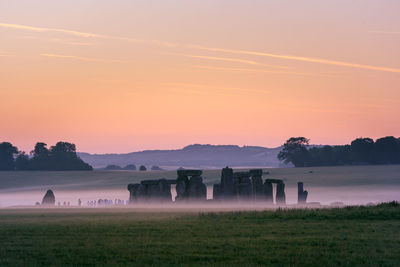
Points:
point(363, 236)
point(320, 176)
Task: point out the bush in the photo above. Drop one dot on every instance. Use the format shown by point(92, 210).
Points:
point(142, 168)
point(113, 167)
point(130, 167)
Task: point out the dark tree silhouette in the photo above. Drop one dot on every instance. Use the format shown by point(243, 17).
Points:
point(22, 162)
point(112, 167)
point(387, 150)
point(295, 151)
point(40, 159)
point(142, 168)
point(7, 153)
point(63, 157)
point(130, 167)
point(156, 168)
point(362, 150)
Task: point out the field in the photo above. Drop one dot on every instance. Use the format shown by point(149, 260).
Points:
point(315, 176)
point(352, 236)
point(351, 184)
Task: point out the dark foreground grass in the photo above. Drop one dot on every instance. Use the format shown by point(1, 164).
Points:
point(364, 236)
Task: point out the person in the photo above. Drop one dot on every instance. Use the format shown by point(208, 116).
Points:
point(79, 202)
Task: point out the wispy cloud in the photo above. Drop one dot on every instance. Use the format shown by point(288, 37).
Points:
point(5, 54)
point(85, 34)
point(78, 58)
point(221, 88)
point(229, 59)
point(198, 47)
point(213, 68)
point(300, 58)
point(55, 40)
point(385, 32)
point(40, 29)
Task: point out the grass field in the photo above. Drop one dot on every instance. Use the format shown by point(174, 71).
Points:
point(352, 236)
point(349, 184)
point(317, 176)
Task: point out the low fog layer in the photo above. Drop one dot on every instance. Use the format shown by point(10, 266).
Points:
point(350, 195)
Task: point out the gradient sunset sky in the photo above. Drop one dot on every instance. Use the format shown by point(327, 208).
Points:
point(121, 76)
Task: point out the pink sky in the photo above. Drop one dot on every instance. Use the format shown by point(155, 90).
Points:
point(120, 76)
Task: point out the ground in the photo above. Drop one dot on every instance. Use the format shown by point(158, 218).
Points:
point(363, 236)
point(316, 176)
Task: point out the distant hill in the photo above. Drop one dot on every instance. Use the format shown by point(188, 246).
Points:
point(192, 156)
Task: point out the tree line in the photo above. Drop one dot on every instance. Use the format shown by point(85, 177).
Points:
point(61, 157)
point(361, 151)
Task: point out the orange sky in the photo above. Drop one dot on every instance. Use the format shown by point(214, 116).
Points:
point(118, 76)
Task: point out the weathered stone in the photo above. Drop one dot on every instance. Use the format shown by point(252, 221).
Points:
point(49, 198)
point(280, 194)
point(217, 194)
point(301, 194)
point(181, 187)
point(141, 193)
point(274, 181)
point(151, 191)
point(268, 192)
point(190, 172)
point(192, 189)
point(196, 189)
point(165, 189)
point(133, 189)
point(243, 185)
point(227, 185)
point(256, 180)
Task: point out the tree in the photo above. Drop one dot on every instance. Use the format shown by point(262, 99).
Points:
point(387, 150)
point(362, 150)
point(40, 159)
point(156, 168)
point(142, 168)
point(7, 153)
point(130, 167)
point(113, 167)
point(295, 151)
point(63, 156)
point(22, 162)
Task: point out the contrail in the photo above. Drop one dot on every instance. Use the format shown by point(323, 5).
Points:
point(250, 62)
point(78, 58)
point(258, 70)
point(299, 58)
point(198, 47)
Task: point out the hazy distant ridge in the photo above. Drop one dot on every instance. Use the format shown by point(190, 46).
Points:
point(200, 156)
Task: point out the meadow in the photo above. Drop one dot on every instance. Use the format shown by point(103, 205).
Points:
point(349, 184)
point(351, 236)
point(100, 179)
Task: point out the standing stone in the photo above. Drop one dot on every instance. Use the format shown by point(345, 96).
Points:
point(280, 194)
point(49, 198)
point(217, 192)
point(197, 190)
point(268, 192)
point(142, 193)
point(256, 180)
point(227, 183)
point(243, 186)
point(301, 194)
point(133, 189)
point(164, 188)
point(181, 187)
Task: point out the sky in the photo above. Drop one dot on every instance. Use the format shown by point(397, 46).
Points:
point(120, 76)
